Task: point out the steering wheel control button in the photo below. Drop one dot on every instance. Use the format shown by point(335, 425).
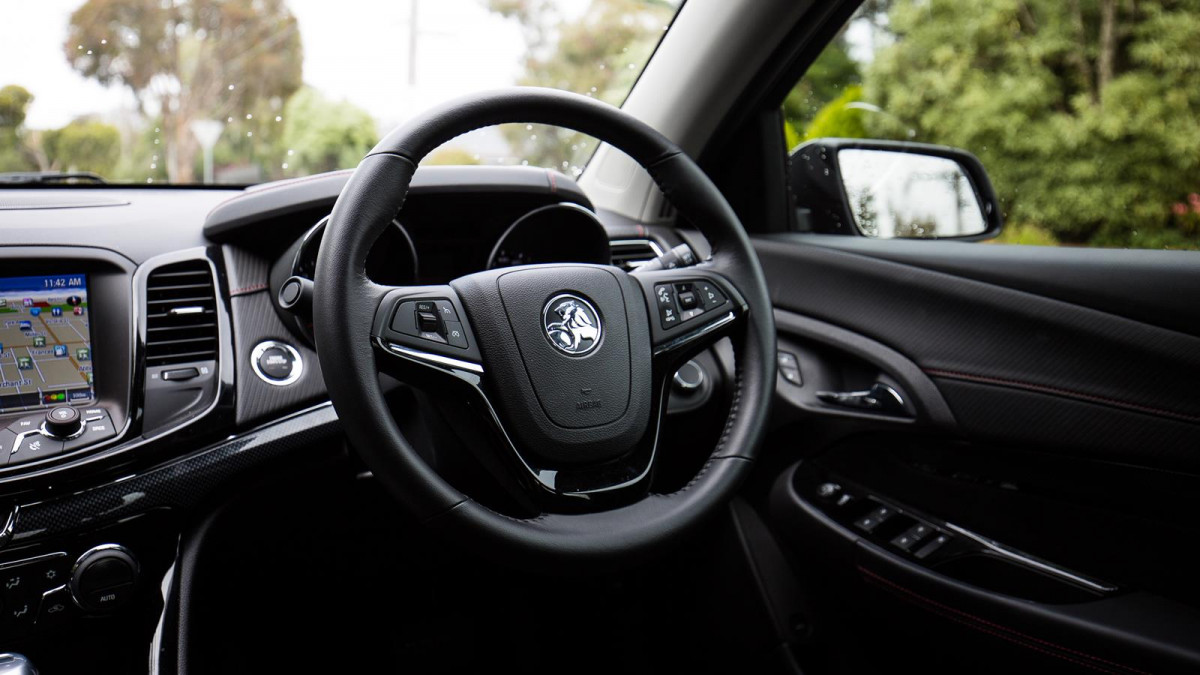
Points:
point(276, 363)
point(104, 578)
point(688, 298)
point(709, 296)
point(63, 422)
point(455, 334)
point(682, 301)
point(446, 310)
point(433, 320)
point(180, 374)
point(572, 324)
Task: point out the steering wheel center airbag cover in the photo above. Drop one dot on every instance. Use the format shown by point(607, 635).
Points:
point(582, 406)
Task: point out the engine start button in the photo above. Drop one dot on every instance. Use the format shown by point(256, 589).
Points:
point(276, 363)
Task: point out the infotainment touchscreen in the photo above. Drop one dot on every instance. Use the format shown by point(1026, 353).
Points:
point(45, 343)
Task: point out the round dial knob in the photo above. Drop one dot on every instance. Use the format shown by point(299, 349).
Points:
point(104, 578)
point(63, 422)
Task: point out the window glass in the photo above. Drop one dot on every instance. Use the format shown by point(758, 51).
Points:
point(243, 91)
point(1085, 113)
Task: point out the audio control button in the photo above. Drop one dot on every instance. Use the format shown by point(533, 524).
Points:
point(97, 428)
point(63, 422)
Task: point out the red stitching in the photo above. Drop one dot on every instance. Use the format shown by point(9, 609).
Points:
point(947, 608)
point(553, 182)
point(937, 372)
point(248, 289)
point(1019, 643)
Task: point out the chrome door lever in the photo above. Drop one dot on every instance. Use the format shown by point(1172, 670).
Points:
point(880, 398)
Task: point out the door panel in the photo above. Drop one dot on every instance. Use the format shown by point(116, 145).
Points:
point(1011, 361)
point(1062, 473)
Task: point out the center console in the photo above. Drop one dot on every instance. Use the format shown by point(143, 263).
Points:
point(107, 369)
point(66, 357)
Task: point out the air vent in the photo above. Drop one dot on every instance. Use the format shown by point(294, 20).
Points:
point(630, 254)
point(181, 314)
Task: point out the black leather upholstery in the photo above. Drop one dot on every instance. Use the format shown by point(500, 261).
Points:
point(345, 302)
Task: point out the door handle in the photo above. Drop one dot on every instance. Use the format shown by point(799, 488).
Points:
point(881, 398)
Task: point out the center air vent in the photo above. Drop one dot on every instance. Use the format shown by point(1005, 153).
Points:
point(630, 254)
point(181, 314)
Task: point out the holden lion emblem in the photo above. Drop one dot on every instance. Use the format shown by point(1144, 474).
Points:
point(572, 324)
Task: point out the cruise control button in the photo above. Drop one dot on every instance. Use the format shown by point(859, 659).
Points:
point(445, 309)
point(432, 336)
point(33, 447)
point(455, 334)
point(427, 322)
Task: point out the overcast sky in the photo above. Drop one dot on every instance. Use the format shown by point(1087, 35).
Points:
point(353, 49)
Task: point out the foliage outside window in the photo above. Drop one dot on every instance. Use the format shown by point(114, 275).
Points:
point(235, 70)
point(1086, 113)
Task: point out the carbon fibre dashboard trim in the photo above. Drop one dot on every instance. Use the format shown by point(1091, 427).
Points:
point(178, 484)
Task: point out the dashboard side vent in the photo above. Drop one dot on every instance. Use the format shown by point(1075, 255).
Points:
point(630, 254)
point(181, 314)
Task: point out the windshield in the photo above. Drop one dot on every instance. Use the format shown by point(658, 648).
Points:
point(245, 91)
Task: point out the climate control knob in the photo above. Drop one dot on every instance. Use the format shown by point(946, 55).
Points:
point(63, 422)
point(104, 578)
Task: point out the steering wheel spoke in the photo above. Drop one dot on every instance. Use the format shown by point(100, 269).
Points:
point(690, 309)
point(569, 364)
point(425, 326)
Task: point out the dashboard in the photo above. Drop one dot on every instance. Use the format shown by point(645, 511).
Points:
point(152, 350)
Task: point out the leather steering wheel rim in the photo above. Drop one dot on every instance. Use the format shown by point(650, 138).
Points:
point(345, 302)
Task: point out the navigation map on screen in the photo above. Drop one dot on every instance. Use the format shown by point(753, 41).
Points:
point(45, 342)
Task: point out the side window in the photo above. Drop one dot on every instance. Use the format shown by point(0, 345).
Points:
point(1085, 114)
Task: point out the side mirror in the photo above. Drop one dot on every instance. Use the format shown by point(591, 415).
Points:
point(892, 189)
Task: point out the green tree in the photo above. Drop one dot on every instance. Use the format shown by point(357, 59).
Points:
point(83, 145)
point(838, 119)
point(1085, 112)
point(598, 54)
point(827, 79)
point(189, 59)
point(323, 135)
point(14, 102)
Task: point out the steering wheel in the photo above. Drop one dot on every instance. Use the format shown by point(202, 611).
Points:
point(568, 364)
